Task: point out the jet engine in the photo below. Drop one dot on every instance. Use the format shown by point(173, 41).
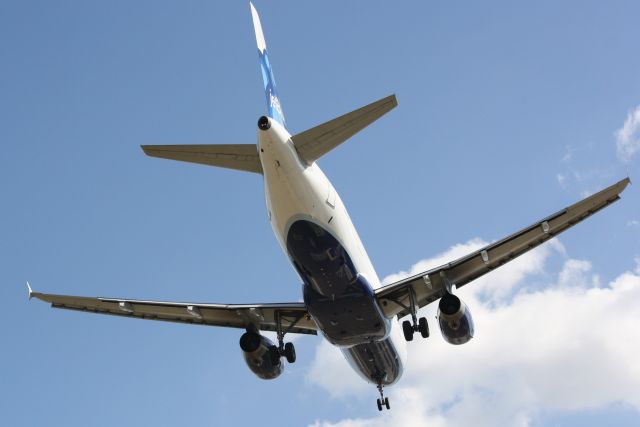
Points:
point(455, 320)
point(261, 355)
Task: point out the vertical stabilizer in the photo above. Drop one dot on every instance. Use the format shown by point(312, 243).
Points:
point(273, 102)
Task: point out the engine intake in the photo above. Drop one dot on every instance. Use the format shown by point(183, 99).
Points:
point(454, 317)
point(261, 355)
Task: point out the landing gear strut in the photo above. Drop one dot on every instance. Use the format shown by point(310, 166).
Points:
point(409, 328)
point(382, 401)
point(287, 350)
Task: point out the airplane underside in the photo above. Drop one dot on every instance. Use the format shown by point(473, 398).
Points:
point(342, 303)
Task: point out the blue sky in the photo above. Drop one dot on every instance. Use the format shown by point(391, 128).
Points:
point(507, 112)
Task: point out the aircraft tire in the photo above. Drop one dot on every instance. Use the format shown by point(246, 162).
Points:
point(423, 327)
point(290, 352)
point(407, 329)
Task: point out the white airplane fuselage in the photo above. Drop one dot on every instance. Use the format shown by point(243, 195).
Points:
point(316, 233)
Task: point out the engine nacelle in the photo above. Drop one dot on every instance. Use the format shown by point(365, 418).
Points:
point(455, 320)
point(261, 355)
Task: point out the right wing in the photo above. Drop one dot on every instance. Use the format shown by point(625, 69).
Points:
point(293, 316)
point(242, 157)
point(431, 285)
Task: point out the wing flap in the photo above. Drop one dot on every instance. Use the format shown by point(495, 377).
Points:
point(294, 316)
point(242, 157)
point(431, 285)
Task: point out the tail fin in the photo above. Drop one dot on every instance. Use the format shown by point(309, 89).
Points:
point(273, 103)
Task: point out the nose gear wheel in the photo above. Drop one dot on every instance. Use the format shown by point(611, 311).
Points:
point(382, 401)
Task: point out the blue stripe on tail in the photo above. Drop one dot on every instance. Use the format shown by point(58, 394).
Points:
point(273, 102)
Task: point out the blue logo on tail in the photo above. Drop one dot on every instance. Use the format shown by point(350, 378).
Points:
point(273, 102)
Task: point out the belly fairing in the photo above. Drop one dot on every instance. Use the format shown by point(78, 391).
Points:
point(376, 362)
point(339, 299)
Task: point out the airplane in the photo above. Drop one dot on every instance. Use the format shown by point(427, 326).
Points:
point(343, 298)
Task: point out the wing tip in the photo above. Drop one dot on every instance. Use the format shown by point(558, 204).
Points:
point(30, 290)
point(622, 184)
point(393, 99)
point(152, 150)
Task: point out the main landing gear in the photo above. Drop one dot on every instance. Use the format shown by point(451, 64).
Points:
point(382, 401)
point(287, 350)
point(415, 325)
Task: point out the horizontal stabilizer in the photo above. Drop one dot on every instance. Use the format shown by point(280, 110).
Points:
point(242, 157)
point(315, 142)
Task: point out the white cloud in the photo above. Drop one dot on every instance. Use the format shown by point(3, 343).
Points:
point(568, 344)
point(633, 223)
point(454, 252)
point(576, 273)
point(628, 136)
point(589, 180)
point(330, 371)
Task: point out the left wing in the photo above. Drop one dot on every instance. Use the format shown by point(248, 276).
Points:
point(431, 285)
point(293, 316)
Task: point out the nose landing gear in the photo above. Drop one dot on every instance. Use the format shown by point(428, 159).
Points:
point(382, 401)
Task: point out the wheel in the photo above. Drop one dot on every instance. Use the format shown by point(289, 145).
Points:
point(379, 404)
point(386, 403)
point(423, 327)
point(290, 352)
point(407, 328)
point(274, 355)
